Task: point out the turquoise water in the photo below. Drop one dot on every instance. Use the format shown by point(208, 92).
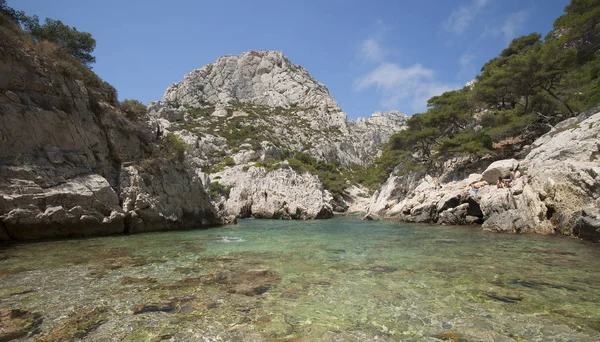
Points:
point(328, 280)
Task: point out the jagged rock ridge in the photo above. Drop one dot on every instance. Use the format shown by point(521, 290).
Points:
point(264, 91)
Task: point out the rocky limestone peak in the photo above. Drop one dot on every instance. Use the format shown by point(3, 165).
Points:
point(392, 120)
point(259, 77)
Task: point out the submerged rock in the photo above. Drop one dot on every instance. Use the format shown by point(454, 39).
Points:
point(75, 327)
point(15, 323)
point(168, 305)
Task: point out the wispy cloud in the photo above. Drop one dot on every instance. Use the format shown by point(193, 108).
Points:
point(370, 50)
point(513, 24)
point(411, 86)
point(460, 19)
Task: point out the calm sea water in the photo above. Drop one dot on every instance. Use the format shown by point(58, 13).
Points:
point(327, 280)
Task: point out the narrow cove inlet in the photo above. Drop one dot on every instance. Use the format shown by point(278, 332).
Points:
point(325, 280)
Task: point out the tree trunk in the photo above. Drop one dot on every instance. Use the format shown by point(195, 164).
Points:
point(563, 102)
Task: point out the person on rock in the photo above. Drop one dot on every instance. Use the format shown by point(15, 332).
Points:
point(500, 183)
point(436, 185)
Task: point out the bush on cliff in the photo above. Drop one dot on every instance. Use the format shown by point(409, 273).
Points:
point(134, 109)
point(63, 50)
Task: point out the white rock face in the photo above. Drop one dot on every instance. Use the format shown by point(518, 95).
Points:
point(292, 110)
point(563, 177)
point(261, 194)
point(559, 191)
point(81, 206)
point(260, 77)
point(260, 106)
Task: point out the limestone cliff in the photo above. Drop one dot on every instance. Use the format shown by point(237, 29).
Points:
point(281, 193)
point(261, 96)
point(63, 142)
point(558, 192)
point(258, 107)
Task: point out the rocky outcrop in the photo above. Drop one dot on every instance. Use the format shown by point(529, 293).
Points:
point(559, 192)
point(259, 107)
point(81, 206)
point(260, 77)
point(264, 93)
point(452, 204)
point(164, 197)
point(562, 184)
point(281, 193)
point(62, 146)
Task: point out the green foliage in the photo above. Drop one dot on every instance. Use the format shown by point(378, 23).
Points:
point(199, 112)
point(329, 173)
point(173, 147)
point(77, 44)
point(531, 85)
point(228, 161)
point(268, 165)
point(13, 15)
point(67, 50)
point(217, 190)
point(466, 142)
point(134, 109)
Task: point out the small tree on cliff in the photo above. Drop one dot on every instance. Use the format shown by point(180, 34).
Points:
point(77, 44)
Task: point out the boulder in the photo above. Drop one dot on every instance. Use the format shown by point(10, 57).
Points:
point(500, 168)
point(15, 323)
point(454, 216)
point(587, 226)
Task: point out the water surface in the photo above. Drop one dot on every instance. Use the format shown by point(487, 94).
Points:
point(327, 280)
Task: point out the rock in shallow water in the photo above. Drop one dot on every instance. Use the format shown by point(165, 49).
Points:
point(15, 323)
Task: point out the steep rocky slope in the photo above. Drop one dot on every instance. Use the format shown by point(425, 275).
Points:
point(261, 96)
point(256, 110)
point(559, 191)
point(64, 144)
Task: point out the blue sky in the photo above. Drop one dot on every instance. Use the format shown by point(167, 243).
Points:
point(372, 55)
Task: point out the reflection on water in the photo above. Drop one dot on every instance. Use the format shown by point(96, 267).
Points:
point(330, 280)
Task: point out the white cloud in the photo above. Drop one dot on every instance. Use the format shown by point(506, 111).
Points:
point(411, 86)
point(370, 50)
point(460, 19)
point(513, 24)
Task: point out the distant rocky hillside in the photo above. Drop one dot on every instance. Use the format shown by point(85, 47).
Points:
point(244, 117)
point(261, 96)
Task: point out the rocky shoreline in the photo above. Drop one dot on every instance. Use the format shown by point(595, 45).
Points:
point(559, 192)
point(222, 144)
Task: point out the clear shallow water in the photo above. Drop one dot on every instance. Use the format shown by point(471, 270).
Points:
point(331, 280)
